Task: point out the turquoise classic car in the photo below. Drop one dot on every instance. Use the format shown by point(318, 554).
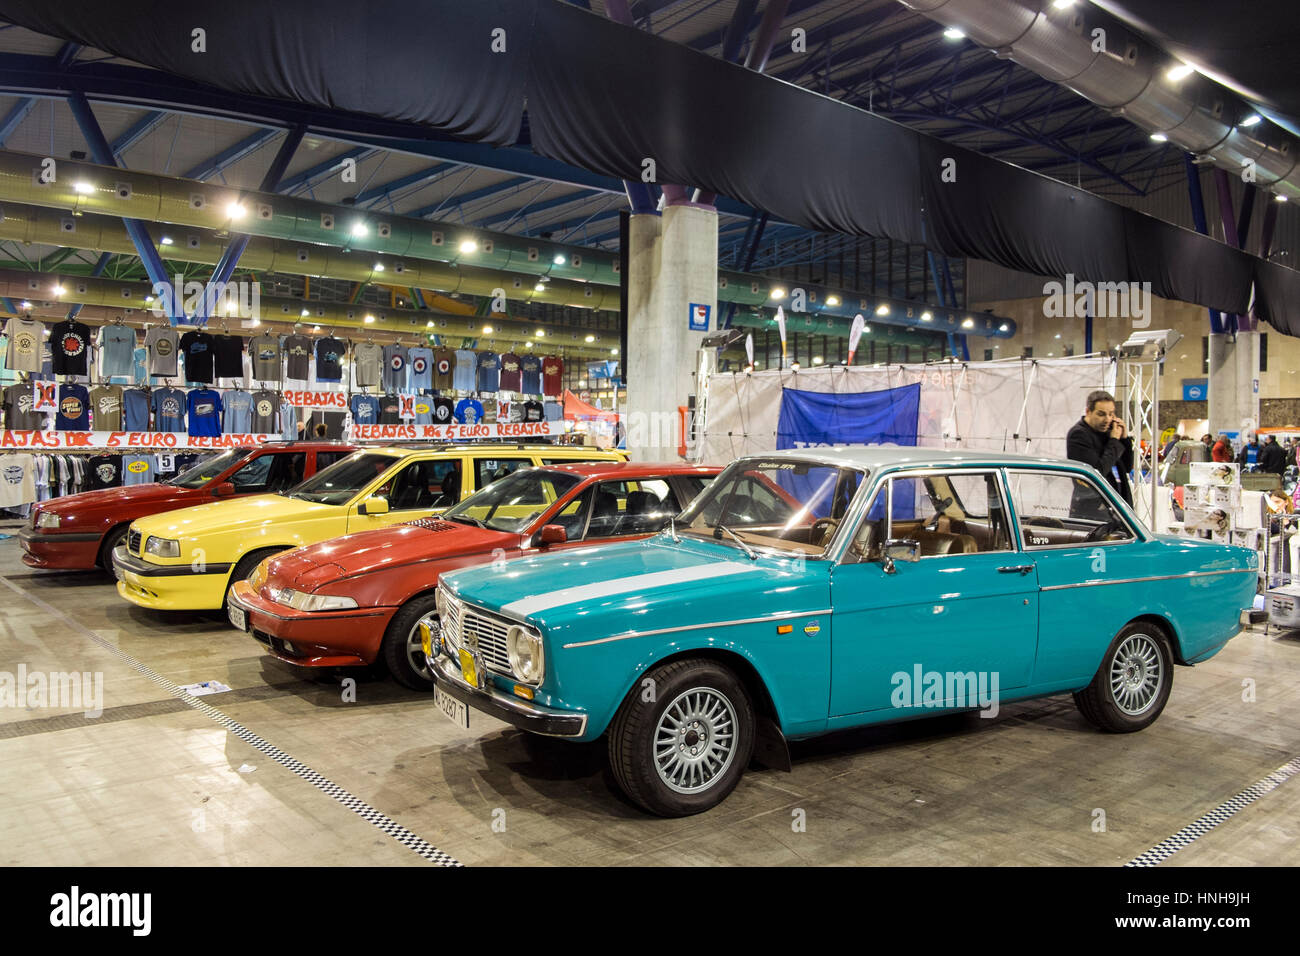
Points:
point(813, 590)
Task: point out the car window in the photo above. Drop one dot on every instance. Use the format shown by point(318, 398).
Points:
point(252, 477)
point(204, 471)
point(326, 458)
point(692, 485)
point(337, 484)
point(1056, 508)
point(413, 488)
point(573, 516)
point(516, 501)
point(286, 471)
point(488, 470)
point(946, 513)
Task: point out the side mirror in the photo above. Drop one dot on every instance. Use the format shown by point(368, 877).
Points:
point(900, 549)
point(552, 534)
point(373, 506)
point(225, 489)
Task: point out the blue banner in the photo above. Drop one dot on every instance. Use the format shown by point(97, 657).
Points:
point(889, 416)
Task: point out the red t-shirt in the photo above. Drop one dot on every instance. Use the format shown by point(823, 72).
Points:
point(552, 375)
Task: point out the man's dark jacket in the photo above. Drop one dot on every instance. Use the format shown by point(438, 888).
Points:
point(1086, 444)
point(1272, 458)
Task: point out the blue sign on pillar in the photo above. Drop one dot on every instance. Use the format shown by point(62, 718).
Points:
point(700, 317)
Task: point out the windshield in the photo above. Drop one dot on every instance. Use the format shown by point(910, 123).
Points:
point(516, 501)
point(338, 483)
point(783, 505)
point(200, 474)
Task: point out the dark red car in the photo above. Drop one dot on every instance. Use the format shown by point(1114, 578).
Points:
point(80, 531)
point(360, 598)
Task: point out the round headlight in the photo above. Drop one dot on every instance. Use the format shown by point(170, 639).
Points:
point(525, 650)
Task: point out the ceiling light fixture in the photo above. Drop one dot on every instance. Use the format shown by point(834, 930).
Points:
point(1180, 72)
point(882, 309)
point(359, 229)
point(777, 293)
point(953, 33)
point(236, 210)
point(468, 246)
point(83, 187)
point(1251, 120)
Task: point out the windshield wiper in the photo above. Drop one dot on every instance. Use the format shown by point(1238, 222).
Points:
point(753, 555)
point(464, 517)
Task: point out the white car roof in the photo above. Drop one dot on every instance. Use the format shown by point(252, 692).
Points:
point(888, 456)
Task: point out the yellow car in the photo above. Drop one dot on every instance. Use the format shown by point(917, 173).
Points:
point(186, 560)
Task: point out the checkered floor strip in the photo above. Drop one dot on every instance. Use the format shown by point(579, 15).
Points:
point(362, 809)
point(1198, 828)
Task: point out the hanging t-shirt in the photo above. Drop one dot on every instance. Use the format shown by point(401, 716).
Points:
point(444, 360)
point(423, 407)
point(489, 372)
point(330, 355)
point(264, 352)
point(141, 373)
point(168, 410)
point(17, 481)
point(552, 375)
point(228, 351)
point(105, 472)
point(106, 406)
point(369, 359)
point(531, 367)
point(365, 410)
point(489, 415)
point(534, 412)
point(163, 344)
point(464, 376)
point(390, 410)
point(19, 415)
point(26, 343)
point(70, 347)
point(135, 410)
point(205, 412)
point(239, 412)
point(394, 368)
point(138, 470)
point(74, 409)
point(421, 360)
point(297, 352)
point(554, 411)
point(511, 376)
point(288, 422)
point(117, 351)
point(266, 412)
point(444, 412)
point(197, 351)
point(469, 411)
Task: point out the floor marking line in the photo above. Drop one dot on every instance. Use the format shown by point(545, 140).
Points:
point(1223, 812)
point(362, 809)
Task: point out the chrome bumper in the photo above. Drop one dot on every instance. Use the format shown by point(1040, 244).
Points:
point(520, 713)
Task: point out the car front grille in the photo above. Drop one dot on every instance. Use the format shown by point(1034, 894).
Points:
point(465, 621)
point(133, 542)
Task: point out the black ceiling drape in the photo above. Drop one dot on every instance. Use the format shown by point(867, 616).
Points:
point(609, 98)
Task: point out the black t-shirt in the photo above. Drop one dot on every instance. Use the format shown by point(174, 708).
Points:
point(534, 412)
point(69, 347)
point(297, 348)
point(444, 412)
point(197, 348)
point(329, 359)
point(105, 472)
point(229, 352)
point(390, 410)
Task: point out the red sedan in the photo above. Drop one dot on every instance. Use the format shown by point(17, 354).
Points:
point(360, 598)
point(78, 532)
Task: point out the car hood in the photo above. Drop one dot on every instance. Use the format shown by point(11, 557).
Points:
point(233, 515)
point(656, 584)
point(383, 549)
point(111, 499)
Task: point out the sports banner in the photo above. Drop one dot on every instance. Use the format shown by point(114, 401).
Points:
point(86, 441)
point(885, 417)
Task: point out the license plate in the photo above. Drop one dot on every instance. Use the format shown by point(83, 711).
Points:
point(468, 669)
point(456, 711)
point(237, 617)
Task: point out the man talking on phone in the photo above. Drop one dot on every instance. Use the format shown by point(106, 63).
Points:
point(1100, 439)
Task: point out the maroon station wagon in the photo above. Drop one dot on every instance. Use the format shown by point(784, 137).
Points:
point(77, 532)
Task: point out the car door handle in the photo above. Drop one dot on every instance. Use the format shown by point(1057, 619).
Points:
point(1017, 569)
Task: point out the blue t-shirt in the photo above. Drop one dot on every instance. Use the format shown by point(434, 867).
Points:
point(489, 372)
point(239, 412)
point(469, 411)
point(365, 410)
point(205, 412)
point(531, 368)
point(421, 365)
point(138, 469)
point(135, 410)
point(74, 409)
point(168, 410)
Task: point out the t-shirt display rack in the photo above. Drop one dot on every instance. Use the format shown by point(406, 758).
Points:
point(372, 385)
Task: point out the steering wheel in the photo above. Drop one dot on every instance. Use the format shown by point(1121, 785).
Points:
point(1099, 533)
point(827, 524)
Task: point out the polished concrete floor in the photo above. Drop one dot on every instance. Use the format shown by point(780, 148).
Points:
point(155, 781)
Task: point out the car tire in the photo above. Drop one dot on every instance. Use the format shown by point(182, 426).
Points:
point(1132, 685)
point(111, 540)
point(244, 569)
point(701, 704)
point(402, 659)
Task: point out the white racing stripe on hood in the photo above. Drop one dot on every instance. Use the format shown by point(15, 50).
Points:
point(636, 582)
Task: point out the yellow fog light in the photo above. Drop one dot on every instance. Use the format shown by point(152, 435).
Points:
point(426, 639)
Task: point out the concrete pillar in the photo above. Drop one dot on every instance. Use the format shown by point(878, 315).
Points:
point(672, 264)
point(1234, 383)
